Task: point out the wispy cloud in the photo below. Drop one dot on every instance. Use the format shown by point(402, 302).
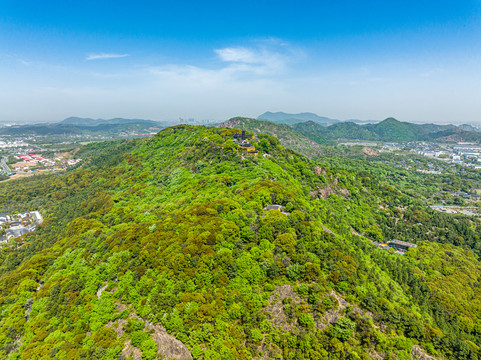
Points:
point(105, 56)
point(260, 66)
point(239, 54)
point(258, 61)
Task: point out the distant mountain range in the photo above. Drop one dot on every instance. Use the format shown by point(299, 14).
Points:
point(389, 129)
point(96, 122)
point(290, 119)
point(306, 137)
point(85, 126)
point(285, 118)
point(300, 130)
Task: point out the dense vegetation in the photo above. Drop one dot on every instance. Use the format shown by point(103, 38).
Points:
point(159, 239)
point(314, 140)
point(324, 130)
point(290, 119)
point(388, 130)
point(321, 129)
point(303, 143)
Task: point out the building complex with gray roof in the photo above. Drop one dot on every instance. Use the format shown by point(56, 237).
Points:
point(17, 225)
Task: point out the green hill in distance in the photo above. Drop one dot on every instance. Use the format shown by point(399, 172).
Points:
point(307, 144)
point(84, 126)
point(389, 129)
point(313, 139)
point(166, 247)
point(96, 122)
point(290, 119)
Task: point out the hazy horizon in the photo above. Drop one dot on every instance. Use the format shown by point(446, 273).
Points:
point(213, 121)
point(415, 61)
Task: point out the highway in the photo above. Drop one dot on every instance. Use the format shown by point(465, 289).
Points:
point(3, 166)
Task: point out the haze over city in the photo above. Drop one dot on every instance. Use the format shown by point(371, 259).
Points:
point(417, 61)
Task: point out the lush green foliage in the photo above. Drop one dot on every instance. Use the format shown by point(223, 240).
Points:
point(172, 231)
point(387, 130)
point(306, 143)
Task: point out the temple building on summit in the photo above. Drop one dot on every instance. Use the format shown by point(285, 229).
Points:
point(243, 141)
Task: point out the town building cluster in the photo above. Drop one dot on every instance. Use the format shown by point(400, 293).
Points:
point(46, 161)
point(16, 225)
point(36, 158)
point(7, 144)
point(469, 155)
point(34, 162)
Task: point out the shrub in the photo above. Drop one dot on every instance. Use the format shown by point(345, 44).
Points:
point(343, 329)
point(306, 320)
point(138, 337)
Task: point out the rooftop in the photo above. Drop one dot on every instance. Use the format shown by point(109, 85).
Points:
point(402, 243)
point(273, 207)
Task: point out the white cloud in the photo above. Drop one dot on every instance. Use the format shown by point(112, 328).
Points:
point(105, 56)
point(239, 65)
point(239, 54)
point(257, 61)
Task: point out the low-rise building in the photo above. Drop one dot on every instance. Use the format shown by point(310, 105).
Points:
point(401, 245)
point(18, 228)
point(4, 218)
point(16, 231)
point(273, 207)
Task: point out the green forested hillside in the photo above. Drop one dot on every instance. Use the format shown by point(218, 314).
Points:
point(161, 248)
point(80, 126)
point(347, 130)
point(308, 144)
point(285, 118)
point(389, 129)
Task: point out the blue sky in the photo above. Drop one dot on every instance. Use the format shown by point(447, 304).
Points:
point(418, 61)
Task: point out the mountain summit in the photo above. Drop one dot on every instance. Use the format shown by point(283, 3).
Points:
point(285, 118)
point(187, 245)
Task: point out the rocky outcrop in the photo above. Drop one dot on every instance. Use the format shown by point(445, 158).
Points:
point(168, 346)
